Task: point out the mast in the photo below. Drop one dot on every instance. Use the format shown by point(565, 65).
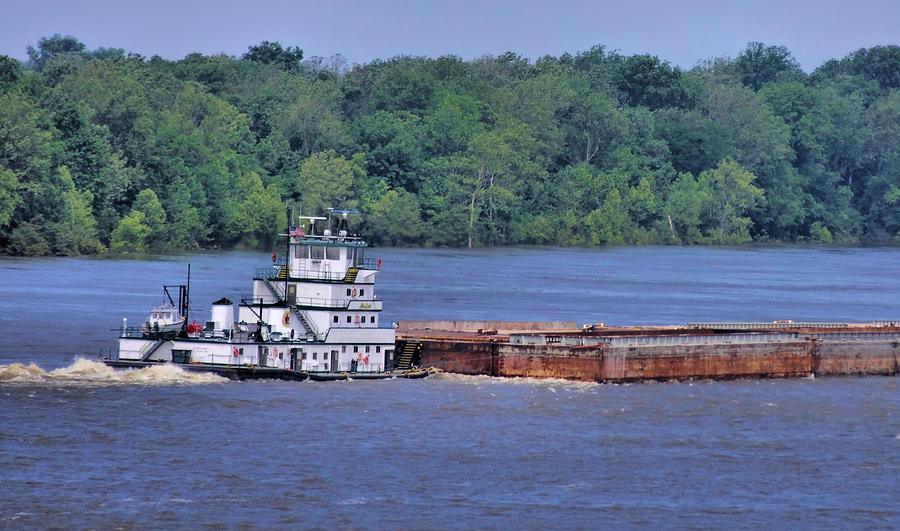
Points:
point(287, 256)
point(187, 300)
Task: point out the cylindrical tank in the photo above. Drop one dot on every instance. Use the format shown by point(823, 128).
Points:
point(222, 314)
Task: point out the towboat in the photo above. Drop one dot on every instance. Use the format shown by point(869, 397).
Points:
point(313, 314)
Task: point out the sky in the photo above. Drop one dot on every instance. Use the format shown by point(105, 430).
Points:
point(679, 31)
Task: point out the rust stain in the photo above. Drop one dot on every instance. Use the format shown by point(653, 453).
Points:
point(492, 354)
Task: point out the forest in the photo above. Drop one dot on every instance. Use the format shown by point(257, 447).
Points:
point(103, 151)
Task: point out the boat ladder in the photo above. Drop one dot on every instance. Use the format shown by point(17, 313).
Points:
point(150, 348)
point(410, 355)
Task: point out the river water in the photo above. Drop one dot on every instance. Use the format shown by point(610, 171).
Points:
point(84, 446)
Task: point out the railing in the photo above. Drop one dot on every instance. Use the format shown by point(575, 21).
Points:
point(309, 366)
point(248, 298)
point(271, 273)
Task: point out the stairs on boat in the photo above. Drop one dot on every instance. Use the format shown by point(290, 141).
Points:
point(350, 277)
point(307, 323)
point(410, 354)
point(150, 348)
point(302, 316)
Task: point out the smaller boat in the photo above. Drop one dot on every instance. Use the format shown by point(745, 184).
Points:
point(167, 317)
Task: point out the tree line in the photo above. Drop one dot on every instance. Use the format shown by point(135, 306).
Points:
point(102, 150)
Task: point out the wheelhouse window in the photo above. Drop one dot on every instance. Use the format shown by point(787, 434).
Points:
point(358, 255)
point(317, 252)
point(301, 252)
point(333, 253)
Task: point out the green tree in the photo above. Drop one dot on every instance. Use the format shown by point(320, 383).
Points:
point(10, 71)
point(54, 46)
point(9, 196)
point(131, 234)
point(75, 231)
point(593, 128)
point(288, 58)
point(759, 65)
point(324, 181)
point(395, 219)
point(148, 204)
point(732, 196)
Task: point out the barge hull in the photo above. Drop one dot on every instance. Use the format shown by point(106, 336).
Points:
point(664, 353)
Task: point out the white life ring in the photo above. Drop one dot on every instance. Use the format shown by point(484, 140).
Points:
point(286, 319)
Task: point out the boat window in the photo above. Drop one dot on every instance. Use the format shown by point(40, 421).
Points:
point(335, 319)
point(367, 349)
point(317, 252)
point(355, 349)
point(314, 355)
point(333, 253)
point(362, 292)
point(373, 319)
point(362, 319)
point(301, 251)
point(348, 318)
point(377, 348)
point(348, 292)
point(343, 348)
point(360, 256)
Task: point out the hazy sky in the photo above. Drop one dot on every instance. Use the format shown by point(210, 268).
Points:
point(682, 32)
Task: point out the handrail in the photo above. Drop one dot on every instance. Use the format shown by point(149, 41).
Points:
point(248, 298)
point(308, 322)
point(272, 273)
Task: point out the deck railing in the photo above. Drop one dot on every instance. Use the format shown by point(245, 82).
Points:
point(277, 271)
point(248, 298)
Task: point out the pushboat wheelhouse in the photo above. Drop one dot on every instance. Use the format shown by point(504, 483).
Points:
point(313, 313)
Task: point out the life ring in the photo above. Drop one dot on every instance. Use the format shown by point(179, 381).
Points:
point(236, 352)
point(354, 292)
point(286, 319)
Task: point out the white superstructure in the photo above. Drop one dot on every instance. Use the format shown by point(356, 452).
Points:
point(314, 310)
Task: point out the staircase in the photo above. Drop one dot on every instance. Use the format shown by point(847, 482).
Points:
point(410, 355)
point(148, 350)
point(350, 277)
point(307, 323)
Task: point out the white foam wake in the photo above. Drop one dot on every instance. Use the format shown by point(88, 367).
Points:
point(84, 371)
point(493, 380)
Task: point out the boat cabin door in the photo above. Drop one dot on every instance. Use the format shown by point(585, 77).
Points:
point(334, 361)
point(292, 294)
point(263, 356)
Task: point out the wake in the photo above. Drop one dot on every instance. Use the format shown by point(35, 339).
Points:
point(88, 372)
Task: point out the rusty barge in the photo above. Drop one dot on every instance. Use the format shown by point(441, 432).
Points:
point(599, 353)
